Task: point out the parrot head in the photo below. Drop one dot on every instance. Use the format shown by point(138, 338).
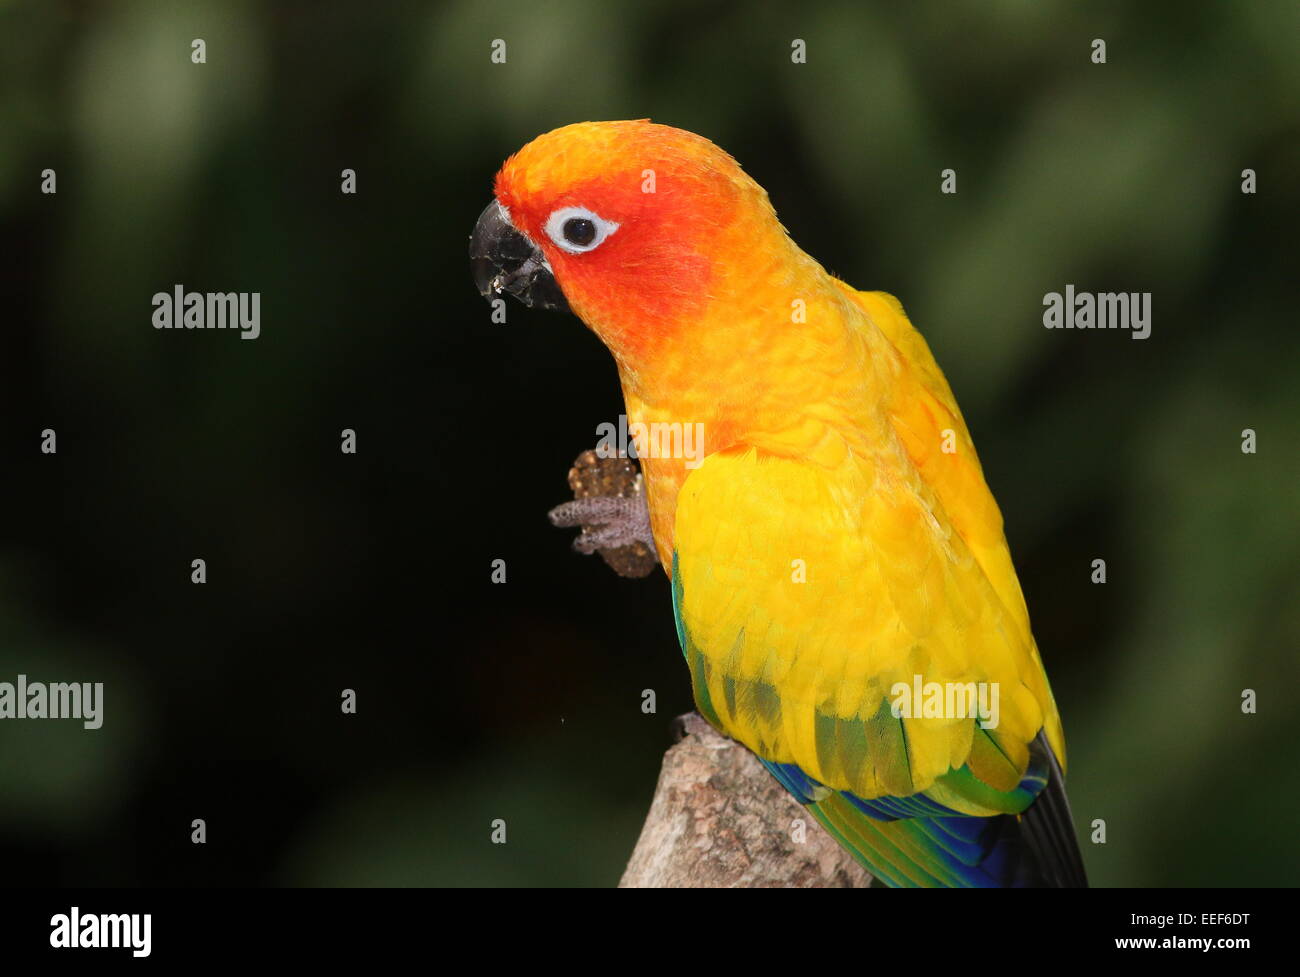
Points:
point(635, 227)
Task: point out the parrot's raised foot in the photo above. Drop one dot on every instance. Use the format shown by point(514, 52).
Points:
point(610, 509)
point(607, 522)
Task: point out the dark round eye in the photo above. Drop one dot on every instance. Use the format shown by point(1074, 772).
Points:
point(579, 231)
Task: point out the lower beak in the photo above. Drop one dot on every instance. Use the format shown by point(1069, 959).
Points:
point(504, 260)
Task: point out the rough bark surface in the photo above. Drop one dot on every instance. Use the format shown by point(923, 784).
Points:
point(719, 819)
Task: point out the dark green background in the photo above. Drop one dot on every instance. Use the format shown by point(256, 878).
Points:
point(371, 572)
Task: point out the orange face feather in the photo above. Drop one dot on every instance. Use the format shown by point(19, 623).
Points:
point(681, 205)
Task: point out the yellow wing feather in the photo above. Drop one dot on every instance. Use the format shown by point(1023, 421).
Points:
point(808, 589)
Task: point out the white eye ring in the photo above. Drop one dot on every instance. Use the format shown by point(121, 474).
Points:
point(555, 229)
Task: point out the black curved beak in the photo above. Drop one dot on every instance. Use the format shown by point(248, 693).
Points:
point(503, 260)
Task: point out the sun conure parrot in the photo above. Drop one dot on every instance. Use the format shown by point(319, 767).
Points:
point(834, 544)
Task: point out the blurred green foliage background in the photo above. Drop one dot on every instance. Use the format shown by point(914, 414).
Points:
point(371, 572)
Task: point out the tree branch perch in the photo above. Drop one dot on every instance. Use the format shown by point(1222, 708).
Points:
point(720, 820)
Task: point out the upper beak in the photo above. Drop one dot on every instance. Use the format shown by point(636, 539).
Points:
point(503, 260)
